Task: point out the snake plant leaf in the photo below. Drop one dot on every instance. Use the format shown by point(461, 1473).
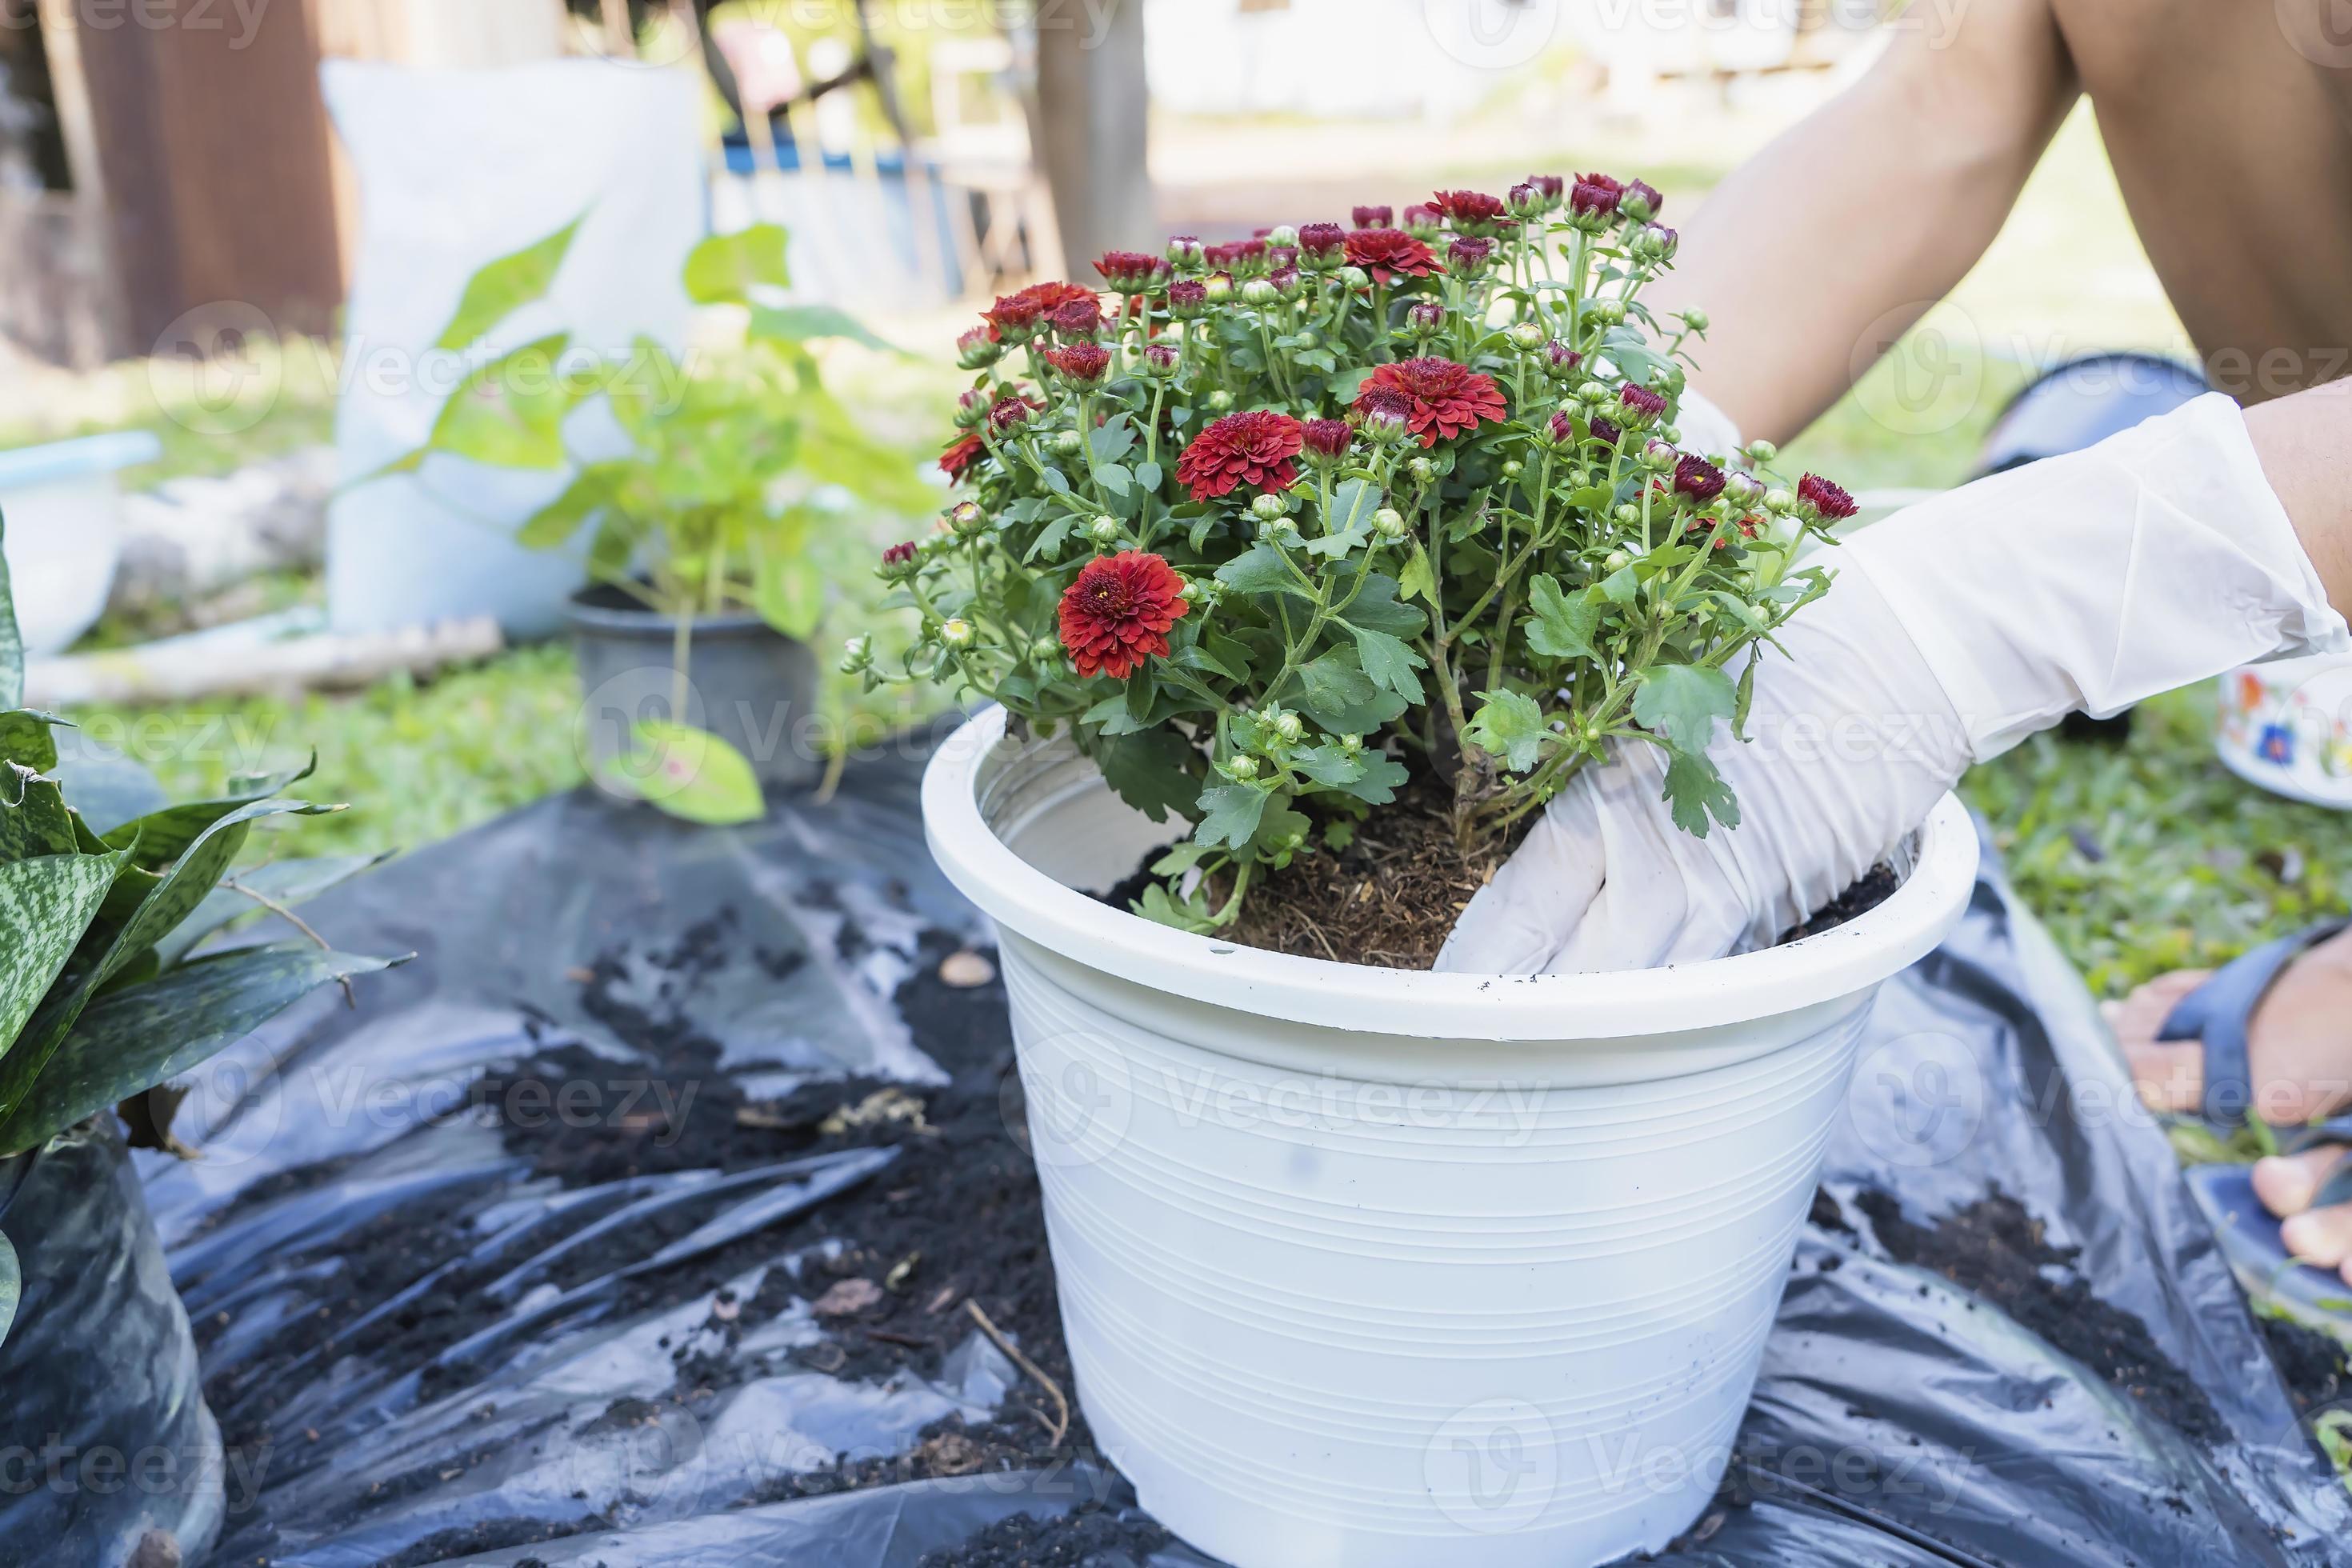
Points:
point(45, 904)
point(133, 1039)
point(285, 883)
point(25, 739)
point(162, 837)
point(12, 645)
point(107, 792)
point(12, 1286)
point(114, 938)
point(34, 821)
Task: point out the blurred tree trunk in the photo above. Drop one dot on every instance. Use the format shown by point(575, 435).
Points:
point(213, 143)
point(1092, 132)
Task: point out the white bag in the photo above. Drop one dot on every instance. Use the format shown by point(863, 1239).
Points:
point(456, 168)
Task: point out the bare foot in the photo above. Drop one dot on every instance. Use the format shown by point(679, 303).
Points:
point(2299, 1053)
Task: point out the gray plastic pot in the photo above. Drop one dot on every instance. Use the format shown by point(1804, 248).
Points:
point(748, 684)
point(105, 1442)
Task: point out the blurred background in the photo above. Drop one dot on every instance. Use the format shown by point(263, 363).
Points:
point(233, 233)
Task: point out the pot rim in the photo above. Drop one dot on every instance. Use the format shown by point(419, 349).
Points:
point(1848, 959)
point(636, 621)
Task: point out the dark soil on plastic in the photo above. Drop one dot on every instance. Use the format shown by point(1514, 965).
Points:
point(1995, 1249)
point(1079, 1540)
point(955, 1219)
point(2311, 1362)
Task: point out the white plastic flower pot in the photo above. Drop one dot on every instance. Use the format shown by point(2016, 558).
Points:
point(1383, 1269)
point(63, 513)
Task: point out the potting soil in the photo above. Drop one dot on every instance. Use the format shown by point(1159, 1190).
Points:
point(670, 1210)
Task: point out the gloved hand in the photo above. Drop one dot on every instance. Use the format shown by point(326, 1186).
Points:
point(1954, 629)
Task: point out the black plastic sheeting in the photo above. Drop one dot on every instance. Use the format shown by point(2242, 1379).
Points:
point(104, 1438)
point(1901, 1419)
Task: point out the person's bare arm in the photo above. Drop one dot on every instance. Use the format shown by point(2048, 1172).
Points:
point(2304, 444)
point(1812, 257)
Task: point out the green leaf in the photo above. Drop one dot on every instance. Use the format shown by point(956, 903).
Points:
point(789, 594)
point(1153, 772)
point(1378, 607)
point(162, 835)
point(1345, 388)
point(1115, 480)
point(176, 895)
point(12, 1286)
point(1620, 586)
point(802, 323)
point(1147, 477)
point(1259, 569)
point(12, 645)
point(1333, 687)
point(108, 792)
point(1348, 522)
point(1696, 792)
point(1562, 627)
point(45, 905)
point(133, 1039)
point(1230, 813)
point(25, 739)
point(1113, 439)
point(553, 525)
point(1389, 662)
point(510, 413)
point(35, 822)
point(1048, 541)
point(1414, 581)
point(507, 285)
point(285, 883)
point(1681, 703)
point(689, 773)
point(726, 267)
point(1508, 725)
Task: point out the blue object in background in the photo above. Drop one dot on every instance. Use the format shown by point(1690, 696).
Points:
point(2083, 400)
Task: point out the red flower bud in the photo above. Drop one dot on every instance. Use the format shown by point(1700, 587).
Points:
point(1328, 438)
point(1161, 359)
point(1183, 251)
point(1078, 317)
point(1130, 271)
point(978, 349)
point(1829, 500)
point(1697, 478)
point(1187, 299)
point(1012, 413)
point(1374, 217)
point(1605, 431)
point(1472, 212)
point(1642, 200)
point(1552, 186)
point(898, 561)
point(1423, 221)
point(1559, 359)
point(1525, 202)
point(1641, 404)
point(1469, 257)
point(1594, 196)
point(1322, 243)
point(1081, 363)
point(971, 408)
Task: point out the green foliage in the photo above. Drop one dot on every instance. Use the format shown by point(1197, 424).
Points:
point(1337, 523)
point(691, 774)
point(100, 1000)
point(741, 483)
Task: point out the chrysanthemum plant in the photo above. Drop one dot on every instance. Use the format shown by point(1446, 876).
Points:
point(1265, 526)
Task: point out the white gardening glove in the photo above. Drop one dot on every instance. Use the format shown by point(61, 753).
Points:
point(1956, 628)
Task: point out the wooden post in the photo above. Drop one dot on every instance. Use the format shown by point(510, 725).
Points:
point(213, 141)
point(1092, 132)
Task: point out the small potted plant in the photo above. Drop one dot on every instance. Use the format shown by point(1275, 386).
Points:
point(1303, 571)
point(104, 1000)
point(718, 524)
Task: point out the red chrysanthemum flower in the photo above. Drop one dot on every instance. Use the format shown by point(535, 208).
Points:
point(1015, 314)
point(1080, 319)
point(1129, 271)
point(1641, 402)
point(1374, 217)
point(1595, 193)
point(1082, 363)
point(1117, 613)
point(1472, 212)
point(962, 453)
point(1328, 439)
point(1828, 499)
point(1697, 478)
point(1447, 398)
point(1321, 241)
point(1253, 448)
point(1389, 254)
